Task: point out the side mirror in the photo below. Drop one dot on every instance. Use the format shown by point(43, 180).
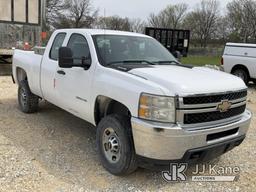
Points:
point(65, 57)
point(177, 55)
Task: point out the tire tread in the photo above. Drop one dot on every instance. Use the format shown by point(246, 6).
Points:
point(33, 100)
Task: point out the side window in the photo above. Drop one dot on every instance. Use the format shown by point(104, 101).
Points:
point(57, 43)
point(80, 48)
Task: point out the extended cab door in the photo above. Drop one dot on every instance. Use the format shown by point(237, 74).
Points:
point(49, 66)
point(73, 85)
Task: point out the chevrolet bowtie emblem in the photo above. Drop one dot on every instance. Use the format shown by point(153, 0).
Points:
point(224, 106)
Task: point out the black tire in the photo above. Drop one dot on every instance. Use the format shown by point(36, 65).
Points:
point(242, 74)
point(125, 162)
point(28, 102)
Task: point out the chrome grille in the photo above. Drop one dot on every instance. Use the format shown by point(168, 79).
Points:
point(212, 116)
point(214, 98)
point(202, 110)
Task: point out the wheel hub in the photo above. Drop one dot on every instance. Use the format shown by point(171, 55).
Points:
point(23, 97)
point(111, 145)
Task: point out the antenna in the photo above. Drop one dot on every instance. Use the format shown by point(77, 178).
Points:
point(105, 26)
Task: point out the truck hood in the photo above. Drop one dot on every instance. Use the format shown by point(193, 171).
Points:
point(179, 80)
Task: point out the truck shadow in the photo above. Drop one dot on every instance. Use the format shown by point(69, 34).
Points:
point(65, 147)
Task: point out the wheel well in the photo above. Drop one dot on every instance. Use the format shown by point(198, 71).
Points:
point(21, 74)
point(241, 67)
point(106, 106)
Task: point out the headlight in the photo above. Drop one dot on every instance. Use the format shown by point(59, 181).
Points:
point(157, 108)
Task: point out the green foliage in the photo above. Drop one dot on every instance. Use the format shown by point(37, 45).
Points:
point(201, 60)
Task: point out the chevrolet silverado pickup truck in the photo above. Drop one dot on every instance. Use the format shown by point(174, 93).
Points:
point(149, 110)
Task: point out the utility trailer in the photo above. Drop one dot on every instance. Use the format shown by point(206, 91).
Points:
point(8, 34)
point(5, 61)
point(6, 56)
point(20, 27)
point(174, 40)
point(14, 36)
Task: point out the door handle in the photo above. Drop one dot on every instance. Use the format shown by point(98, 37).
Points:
point(61, 72)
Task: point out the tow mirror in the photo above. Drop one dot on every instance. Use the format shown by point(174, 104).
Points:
point(66, 59)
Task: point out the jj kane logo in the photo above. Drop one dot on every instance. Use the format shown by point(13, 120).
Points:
point(176, 173)
point(201, 173)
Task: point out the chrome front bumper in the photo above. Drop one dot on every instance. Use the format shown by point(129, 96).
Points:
point(170, 142)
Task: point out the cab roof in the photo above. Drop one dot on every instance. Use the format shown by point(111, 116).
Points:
point(103, 32)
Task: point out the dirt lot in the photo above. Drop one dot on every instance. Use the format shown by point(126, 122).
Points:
point(55, 151)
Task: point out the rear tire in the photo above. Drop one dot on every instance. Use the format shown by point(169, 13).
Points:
point(242, 74)
point(115, 145)
point(28, 102)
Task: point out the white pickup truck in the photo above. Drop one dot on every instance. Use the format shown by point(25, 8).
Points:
point(148, 109)
point(239, 59)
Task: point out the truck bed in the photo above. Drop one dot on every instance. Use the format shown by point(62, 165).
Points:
point(30, 62)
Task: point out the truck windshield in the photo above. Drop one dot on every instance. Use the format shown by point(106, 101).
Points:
point(118, 49)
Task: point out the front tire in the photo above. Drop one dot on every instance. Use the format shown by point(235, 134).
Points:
point(28, 102)
point(242, 74)
point(115, 145)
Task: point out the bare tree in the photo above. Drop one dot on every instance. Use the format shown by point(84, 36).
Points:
point(223, 30)
point(74, 14)
point(171, 17)
point(242, 18)
point(138, 25)
point(203, 21)
point(114, 23)
point(81, 13)
point(62, 21)
point(251, 6)
point(54, 9)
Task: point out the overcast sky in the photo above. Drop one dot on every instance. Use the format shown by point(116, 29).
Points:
point(140, 8)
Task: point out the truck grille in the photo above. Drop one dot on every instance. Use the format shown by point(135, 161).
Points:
point(214, 98)
point(204, 110)
point(212, 116)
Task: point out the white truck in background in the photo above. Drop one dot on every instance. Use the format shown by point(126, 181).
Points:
point(148, 109)
point(240, 59)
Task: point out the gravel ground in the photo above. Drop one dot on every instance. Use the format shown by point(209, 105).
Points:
point(55, 151)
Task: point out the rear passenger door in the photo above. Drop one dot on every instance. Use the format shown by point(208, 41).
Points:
point(74, 85)
point(49, 66)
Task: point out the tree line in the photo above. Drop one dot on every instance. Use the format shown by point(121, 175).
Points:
point(206, 21)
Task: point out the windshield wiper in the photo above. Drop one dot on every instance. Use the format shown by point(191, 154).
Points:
point(166, 62)
point(130, 61)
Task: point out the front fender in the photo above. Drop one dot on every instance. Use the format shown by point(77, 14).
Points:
point(122, 87)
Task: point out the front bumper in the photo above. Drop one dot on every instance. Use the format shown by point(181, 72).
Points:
point(159, 141)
